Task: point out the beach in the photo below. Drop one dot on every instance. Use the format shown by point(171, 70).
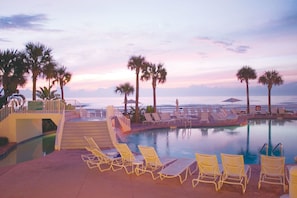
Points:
point(289, 102)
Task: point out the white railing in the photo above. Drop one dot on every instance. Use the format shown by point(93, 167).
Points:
point(124, 121)
point(49, 106)
point(59, 133)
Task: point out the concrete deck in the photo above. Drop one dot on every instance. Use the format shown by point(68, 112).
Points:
point(63, 174)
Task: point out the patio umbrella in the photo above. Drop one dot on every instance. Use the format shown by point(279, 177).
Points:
point(232, 100)
point(131, 101)
point(176, 105)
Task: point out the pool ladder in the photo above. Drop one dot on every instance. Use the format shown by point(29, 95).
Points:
point(279, 147)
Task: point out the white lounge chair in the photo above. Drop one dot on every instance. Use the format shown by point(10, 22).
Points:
point(165, 117)
point(180, 168)
point(148, 118)
point(204, 117)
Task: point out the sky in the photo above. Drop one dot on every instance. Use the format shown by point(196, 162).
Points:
point(200, 43)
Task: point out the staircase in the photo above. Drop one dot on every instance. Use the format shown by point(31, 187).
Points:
point(74, 132)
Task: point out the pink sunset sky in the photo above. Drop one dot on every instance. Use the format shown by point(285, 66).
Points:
point(200, 43)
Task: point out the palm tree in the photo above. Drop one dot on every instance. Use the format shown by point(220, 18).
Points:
point(49, 72)
point(13, 73)
point(137, 63)
point(62, 76)
point(158, 75)
point(244, 74)
point(270, 78)
point(46, 93)
point(38, 56)
point(125, 89)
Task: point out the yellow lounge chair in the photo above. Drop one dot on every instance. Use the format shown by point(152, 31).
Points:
point(129, 160)
point(88, 156)
point(209, 170)
point(91, 142)
point(235, 171)
point(93, 145)
point(152, 163)
point(103, 161)
point(180, 168)
point(272, 171)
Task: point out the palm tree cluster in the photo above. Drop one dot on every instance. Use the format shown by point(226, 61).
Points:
point(144, 71)
point(269, 78)
point(36, 59)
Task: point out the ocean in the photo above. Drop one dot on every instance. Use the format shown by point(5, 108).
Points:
point(289, 102)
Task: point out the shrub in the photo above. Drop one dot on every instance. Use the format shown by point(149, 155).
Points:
point(48, 125)
point(149, 109)
point(3, 141)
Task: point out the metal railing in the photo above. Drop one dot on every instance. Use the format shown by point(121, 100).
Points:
point(265, 146)
point(279, 147)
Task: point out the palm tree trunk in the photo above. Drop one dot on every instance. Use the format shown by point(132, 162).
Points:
point(247, 98)
point(125, 101)
point(34, 88)
point(269, 101)
point(137, 98)
point(62, 93)
point(155, 102)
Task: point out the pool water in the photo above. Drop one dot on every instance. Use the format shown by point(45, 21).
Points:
point(246, 140)
point(29, 150)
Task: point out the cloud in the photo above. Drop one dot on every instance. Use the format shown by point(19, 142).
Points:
point(22, 21)
point(4, 40)
point(227, 45)
point(239, 49)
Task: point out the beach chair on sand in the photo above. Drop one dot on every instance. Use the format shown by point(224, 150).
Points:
point(209, 170)
point(272, 171)
point(180, 168)
point(235, 172)
point(152, 163)
point(128, 159)
point(104, 162)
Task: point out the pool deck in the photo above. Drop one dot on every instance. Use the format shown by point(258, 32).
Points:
point(64, 174)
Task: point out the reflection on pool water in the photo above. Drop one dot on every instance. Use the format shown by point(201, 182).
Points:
point(31, 149)
point(247, 140)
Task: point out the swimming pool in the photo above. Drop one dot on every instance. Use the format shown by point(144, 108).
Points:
point(29, 150)
point(246, 140)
